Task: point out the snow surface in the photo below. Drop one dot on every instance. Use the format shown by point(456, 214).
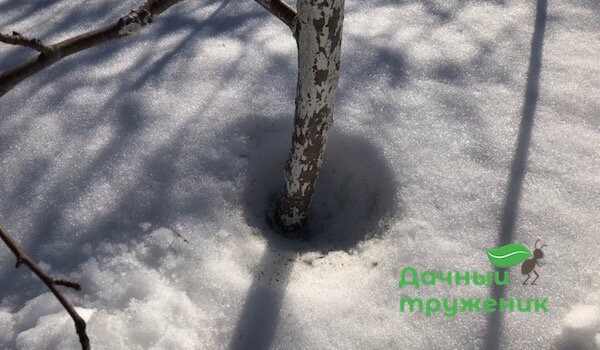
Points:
point(112, 158)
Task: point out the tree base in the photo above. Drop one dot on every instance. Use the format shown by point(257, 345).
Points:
point(298, 231)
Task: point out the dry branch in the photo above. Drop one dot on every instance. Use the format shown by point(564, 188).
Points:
point(125, 26)
point(51, 283)
point(18, 39)
point(281, 10)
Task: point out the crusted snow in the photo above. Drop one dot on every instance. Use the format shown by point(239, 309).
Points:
point(108, 156)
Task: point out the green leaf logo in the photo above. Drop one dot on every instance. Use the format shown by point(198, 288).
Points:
point(508, 255)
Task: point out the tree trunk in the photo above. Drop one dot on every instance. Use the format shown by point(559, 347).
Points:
point(318, 31)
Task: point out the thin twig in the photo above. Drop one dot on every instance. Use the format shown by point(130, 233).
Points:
point(180, 236)
point(125, 26)
point(51, 283)
point(281, 10)
point(17, 38)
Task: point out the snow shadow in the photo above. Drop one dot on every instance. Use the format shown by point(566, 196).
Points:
point(150, 200)
point(576, 339)
point(356, 190)
point(258, 322)
point(50, 234)
point(355, 193)
point(519, 163)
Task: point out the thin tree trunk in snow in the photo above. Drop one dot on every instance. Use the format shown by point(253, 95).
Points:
point(318, 33)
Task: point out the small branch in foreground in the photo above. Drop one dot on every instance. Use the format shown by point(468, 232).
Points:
point(125, 26)
point(281, 10)
point(51, 283)
point(20, 40)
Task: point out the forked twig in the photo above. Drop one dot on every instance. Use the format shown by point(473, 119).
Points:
point(17, 38)
point(50, 54)
point(51, 283)
point(125, 26)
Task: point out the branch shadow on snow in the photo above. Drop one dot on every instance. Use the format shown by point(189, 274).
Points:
point(355, 193)
point(150, 200)
point(519, 164)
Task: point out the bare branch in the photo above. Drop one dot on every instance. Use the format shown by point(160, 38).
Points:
point(51, 283)
point(281, 10)
point(67, 283)
point(125, 26)
point(20, 40)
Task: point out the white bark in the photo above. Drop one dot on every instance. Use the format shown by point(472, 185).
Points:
point(318, 28)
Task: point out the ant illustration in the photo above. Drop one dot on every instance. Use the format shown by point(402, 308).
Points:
point(529, 265)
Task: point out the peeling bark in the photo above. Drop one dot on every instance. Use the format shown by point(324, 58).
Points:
point(318, 33)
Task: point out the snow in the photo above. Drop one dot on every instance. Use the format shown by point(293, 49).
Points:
point(581, 328)
point(112, 159)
